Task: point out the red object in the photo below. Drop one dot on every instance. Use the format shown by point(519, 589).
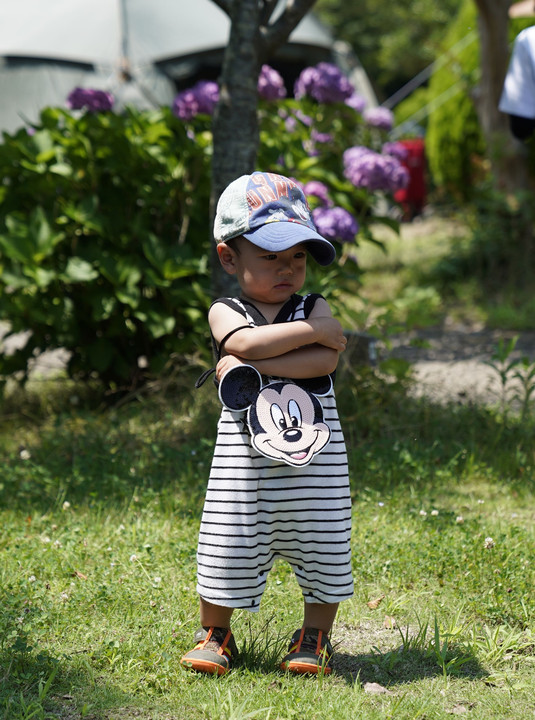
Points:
point(413, 197)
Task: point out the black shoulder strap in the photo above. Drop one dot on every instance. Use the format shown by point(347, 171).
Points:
point(231, 303)
point(218, 350)
point(254, 312)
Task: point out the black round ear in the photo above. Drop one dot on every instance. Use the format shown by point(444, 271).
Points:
point(319, 386)
point(239, 386)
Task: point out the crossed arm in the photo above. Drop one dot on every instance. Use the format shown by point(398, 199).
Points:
point(296, 349)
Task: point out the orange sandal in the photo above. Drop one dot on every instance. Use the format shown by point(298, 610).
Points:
point(309, 653)
point(213, 652)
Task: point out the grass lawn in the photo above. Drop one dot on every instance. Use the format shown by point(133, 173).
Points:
point(99, 517)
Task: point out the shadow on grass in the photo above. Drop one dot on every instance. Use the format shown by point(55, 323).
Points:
point(37, 683)
point(402, 667)
point(395, 440)
point(162, 448)
point(153, 450)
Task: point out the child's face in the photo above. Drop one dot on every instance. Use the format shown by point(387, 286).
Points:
point(265, 276)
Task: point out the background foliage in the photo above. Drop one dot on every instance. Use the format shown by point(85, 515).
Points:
point(393, 41)
point(444, 109)
point(91, 207)
point(105, 237)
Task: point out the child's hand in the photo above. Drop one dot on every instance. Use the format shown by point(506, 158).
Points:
point(330, 333)
point(226, 363)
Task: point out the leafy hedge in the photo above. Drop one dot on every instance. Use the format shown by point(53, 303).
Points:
point(105, 237)
point(91, 207)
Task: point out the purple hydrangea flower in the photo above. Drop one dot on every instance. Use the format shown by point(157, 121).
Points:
point(91, 100)
point(335, 224)
point(305, 119)
point(379, 117)
point(290, 124)
point(185, 105)
point(396, 149)
point(201, 98)
point(368, 169)
point(318, 190)
point(322, 138)
point(324, 82)
point(357, 102)
point(270, 84)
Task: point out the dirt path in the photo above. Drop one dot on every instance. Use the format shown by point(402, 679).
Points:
point(452, 364)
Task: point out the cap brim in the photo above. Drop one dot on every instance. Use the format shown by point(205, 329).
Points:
point(283, 235)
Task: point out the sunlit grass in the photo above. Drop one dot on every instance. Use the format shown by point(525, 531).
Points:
point(100, 509)
point(98, 539)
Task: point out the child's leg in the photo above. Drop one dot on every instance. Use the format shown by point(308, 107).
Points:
point(310, 650)
point(215, 648)
point(320, 616)
point(215, 615)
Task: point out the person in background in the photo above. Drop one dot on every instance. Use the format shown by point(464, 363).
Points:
point(518, 95)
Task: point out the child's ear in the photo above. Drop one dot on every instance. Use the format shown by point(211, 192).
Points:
point(227, 258)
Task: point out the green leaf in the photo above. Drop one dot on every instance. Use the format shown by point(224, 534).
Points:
point(46, 155)
point(41, 232)
point(42, 142)
point(157, 324)
point(155, 252)
point(40, 276)
point(122, 272)
point(29, 242)
point(78, 270)
point(128, 296)
point(61, 169)
point(39, 168)
point(86, 213)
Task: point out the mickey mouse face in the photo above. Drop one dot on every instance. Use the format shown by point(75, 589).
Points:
point(285, 420)
point(287, 424)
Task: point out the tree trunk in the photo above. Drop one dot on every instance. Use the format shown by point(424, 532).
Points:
point(507, 155)
point(235, 123)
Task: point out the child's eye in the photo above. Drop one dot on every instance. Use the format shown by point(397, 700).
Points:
point(270, 257)
point(300, 254)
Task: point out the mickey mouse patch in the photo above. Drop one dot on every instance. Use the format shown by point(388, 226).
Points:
point(285, 418)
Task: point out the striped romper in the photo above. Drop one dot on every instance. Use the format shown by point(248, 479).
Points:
point(257, 509)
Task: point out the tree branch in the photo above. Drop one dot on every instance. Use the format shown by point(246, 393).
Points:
point(277, 34)
point(268, 6)
point(225, 5)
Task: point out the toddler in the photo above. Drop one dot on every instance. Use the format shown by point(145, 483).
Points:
point(278, 484)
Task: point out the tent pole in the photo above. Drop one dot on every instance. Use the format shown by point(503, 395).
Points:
point(125, 70)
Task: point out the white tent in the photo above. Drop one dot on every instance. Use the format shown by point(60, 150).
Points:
point(140, 50)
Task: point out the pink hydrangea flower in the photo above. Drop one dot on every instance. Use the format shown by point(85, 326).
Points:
point(366, 168)
point(199, 99)
point(379, 117)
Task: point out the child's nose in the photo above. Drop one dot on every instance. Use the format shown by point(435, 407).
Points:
point(286, 268)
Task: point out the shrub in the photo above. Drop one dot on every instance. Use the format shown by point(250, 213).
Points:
point(95, 211)
point(454, 138)
point(104, 222)
point(454, 141)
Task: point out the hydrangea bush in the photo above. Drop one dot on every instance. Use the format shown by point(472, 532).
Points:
point(104, 234)
point(103, 241)
point(316, 138)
